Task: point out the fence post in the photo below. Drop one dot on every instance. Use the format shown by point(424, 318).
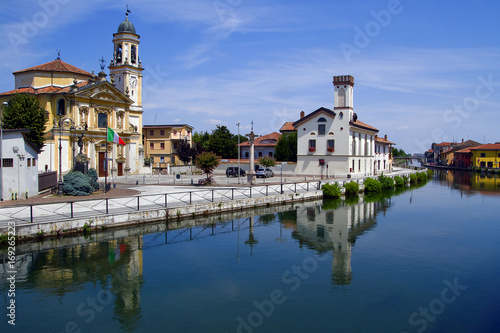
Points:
point(250, 191)
point(138, 198)
point(71, 203)
point(232, 194)
point(190, 195)
point(267, 188)
point(31, 213)
point(307, 186)
point(295, 187)
point(212, 195)
point(165, 200)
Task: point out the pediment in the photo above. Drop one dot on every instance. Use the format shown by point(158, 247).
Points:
point(104, 91)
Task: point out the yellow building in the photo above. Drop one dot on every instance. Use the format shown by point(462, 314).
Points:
point(78, 102)
point(486, 156)
point(162, 141)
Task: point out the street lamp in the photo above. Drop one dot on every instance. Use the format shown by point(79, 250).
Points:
point(238, 124)
point(1, 143)
point(60, 183)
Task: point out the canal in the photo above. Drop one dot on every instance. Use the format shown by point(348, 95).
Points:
point(422, 260)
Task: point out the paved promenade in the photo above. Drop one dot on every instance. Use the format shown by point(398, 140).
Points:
point(155, 192)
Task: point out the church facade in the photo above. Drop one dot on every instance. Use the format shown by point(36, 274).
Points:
point(80, 106)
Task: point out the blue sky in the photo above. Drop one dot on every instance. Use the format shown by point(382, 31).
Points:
point(425, 71)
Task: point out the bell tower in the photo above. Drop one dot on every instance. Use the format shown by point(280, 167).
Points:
point(343, 91)
point(125, 68)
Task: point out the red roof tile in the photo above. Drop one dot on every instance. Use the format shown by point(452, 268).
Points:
point(55, 66)
point(444, 144)
point(44, 90)
point(382, 140)
point(257, 141)
point(465, 150)
point(288, 126)
point(361, 124)
point(488, 146)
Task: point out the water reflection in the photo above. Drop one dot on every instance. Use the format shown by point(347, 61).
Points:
point(470, 182)
point(335, 226)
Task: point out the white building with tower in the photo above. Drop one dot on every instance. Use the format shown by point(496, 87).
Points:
point(335, 142)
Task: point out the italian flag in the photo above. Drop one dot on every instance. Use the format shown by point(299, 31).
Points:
point(115, 138)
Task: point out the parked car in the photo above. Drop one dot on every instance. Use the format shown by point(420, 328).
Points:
point(233, 172)
point(261, 172)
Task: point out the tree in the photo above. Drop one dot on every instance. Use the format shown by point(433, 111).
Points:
point(24, 111)
point(222, 143)
point(207, 162)
point(184, 151)
point(267, 161)
point(286, 148)
point(200, 141)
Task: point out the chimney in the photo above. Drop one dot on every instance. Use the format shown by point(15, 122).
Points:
point(376, 136)
point(385, 137)
point(302, 114)
point(462, 140)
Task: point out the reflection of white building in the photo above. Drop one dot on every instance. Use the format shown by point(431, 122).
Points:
point(336, 230)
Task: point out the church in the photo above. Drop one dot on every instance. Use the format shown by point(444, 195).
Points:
point(80, 106)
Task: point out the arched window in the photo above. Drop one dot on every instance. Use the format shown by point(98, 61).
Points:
point(341, 98)
point(61, 107)
point(341, 115)
point(133, 54)
point(322, 120)
point(118, 55)
point(102, 120)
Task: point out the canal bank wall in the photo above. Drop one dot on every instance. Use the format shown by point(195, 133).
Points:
point(89, 224)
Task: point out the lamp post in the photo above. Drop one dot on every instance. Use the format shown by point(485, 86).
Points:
point(60, 183)
point(72, 129)
point(1, 150)
point(238, 124)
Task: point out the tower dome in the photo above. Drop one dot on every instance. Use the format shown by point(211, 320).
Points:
point(126, 26)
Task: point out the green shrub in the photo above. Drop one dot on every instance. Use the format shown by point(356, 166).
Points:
point(78, 184)
point(413, 178)
point(94, 179)
point(421, 177)
point(351, 199)
point(406, 179)
point(387, 182)
point(351, 188)
point(331, 190)
point(398, 181)
point(372, 185)
point(430, 172)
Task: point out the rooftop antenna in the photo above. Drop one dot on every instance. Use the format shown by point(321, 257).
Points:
point(252, 125)
point(58, 54)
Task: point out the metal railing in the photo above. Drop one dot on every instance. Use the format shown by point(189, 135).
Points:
point(65, 211)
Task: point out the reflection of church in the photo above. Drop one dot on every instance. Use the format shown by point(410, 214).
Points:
point(78, 102)
point(116, 266)
point(336, 230)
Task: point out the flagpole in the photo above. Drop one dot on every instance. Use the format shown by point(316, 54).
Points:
point(106, 163)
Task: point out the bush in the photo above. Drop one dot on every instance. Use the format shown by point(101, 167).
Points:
point(421, 177)
point(372, 185)
point(387, 182)
point(351, 188)
point(78, 184)
point(406, 179)
point(399, 182)
point(413, 178)
point(331, 190)
point(430, 173)
point(94, 180)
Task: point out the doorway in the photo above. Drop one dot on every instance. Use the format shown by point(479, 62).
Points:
point(102, 160)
